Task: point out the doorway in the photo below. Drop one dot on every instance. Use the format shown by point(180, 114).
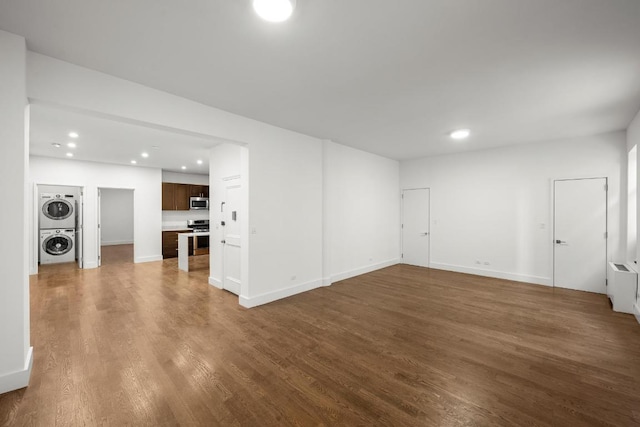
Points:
point(115, 226)
point(415, 227)
point(231, 248)
point(580, 234)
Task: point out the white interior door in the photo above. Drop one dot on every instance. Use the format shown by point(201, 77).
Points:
point(231, 241)
point(415, 227)
point(79, 229)
point(99, 230)
point(580, 234)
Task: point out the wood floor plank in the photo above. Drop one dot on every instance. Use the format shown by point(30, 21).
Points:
point(147, 344)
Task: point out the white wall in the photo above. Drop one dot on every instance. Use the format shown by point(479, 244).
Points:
point(147, 200)
point(116, 216)
point(496, 205)
point(361, 210)
point(15, 351)
point(633, 139)
point(185, 178)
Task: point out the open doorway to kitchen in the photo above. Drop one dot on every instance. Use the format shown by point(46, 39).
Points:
point(115, 226)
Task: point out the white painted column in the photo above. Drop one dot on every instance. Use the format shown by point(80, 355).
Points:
point(15, 350)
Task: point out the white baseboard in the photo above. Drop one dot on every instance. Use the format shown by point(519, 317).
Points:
point(363, 270)
point(537, 280)
point(152, 258)
point(636, 310)
point(215, 282)
point(20, 379)
point(116, 242)
point(279, 294)
point(89, 265)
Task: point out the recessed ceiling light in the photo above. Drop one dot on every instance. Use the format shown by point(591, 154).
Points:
point(133, 162)
point(460, 134)
point(73, 134)
point(184, 167)
point(145, 155)
point(274, 10)
point(55, 144)
point(69, 154)
point(71, 144)
point(199, 162)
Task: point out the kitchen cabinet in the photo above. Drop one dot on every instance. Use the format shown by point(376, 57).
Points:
point(175, 197)
point(170, 243)
point(199, 190)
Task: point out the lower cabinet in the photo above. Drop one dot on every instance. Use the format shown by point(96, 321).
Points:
point(170, 244)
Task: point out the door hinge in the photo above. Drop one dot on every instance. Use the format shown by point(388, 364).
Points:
point(401, 255)
point(401, 225)
point(606, 234)
point(606, 282)
point(606, 187)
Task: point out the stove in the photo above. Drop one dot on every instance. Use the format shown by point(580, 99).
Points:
point(198, 225)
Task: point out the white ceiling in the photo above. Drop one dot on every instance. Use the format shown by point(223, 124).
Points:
point(390, 77)
point(109, 141)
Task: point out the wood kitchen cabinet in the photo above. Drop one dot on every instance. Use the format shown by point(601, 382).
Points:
point(199, 190)
point(175, 197)
point(170, 244)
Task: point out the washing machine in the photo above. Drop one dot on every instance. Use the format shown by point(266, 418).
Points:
point(57, 211)
point(57, 246)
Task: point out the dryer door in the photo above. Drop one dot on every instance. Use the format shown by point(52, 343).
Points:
point(57, 244)
point(57, 209)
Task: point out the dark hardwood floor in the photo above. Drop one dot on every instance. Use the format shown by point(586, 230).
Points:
point(146, 344)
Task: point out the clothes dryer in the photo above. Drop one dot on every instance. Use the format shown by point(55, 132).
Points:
point(57, 211)
point(57, 246)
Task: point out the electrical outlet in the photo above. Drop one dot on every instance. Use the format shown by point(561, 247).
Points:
point(370, 259)
point(293, 277)
point(487, 263)
point(478, 261)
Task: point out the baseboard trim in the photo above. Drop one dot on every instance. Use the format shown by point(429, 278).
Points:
point(250, 302)
point(636, 310)
point(537, 280)
point(116, 242)
point(363, 270)
point(141, 259)
point(89, 265)
point(215, 282)
point(17, 380)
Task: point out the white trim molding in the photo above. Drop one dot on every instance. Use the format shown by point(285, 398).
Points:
point(215, 282)
point(536, 280)
point(152, 258)
point(636, 310)
point(362, 270)
point(117, 242)
point(19, 379)
point(250, 302)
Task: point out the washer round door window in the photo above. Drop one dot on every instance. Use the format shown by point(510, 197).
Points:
point(58, 244)
point(57, 209)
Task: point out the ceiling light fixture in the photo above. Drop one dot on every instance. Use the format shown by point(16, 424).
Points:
point(55, 144)
point(460, 134)
point(71, 144)
point(133, 162)
point(199, 162)
point(145, 155)
point(184, 167)
point(274, 10)
point(73, 134)
point(69, 154)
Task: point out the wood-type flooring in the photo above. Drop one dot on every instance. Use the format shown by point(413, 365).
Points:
point(147, 344)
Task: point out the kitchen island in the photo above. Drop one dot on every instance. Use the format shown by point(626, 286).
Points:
point(183, 247)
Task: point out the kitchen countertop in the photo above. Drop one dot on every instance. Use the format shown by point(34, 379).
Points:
point(183, 248)
point(176, 228)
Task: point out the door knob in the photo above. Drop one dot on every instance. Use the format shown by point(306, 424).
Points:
point(223, 241)
point(561, 242)
point(426, 233)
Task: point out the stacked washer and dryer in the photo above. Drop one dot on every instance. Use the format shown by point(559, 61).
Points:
point(57, 228)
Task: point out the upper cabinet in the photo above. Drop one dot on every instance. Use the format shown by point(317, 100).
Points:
point(199, 190)
point(175, 197)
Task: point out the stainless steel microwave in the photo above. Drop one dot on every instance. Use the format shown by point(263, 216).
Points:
point(196, 203)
